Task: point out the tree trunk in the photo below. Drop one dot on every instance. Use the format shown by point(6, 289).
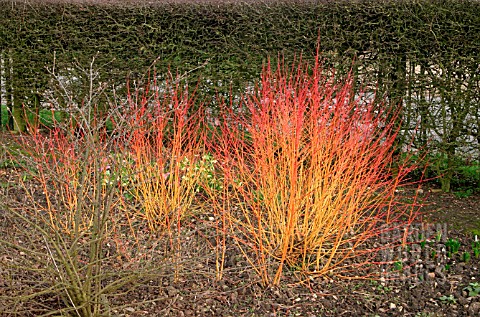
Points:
point(1, 89)
point(19, 124)
point(9, 88)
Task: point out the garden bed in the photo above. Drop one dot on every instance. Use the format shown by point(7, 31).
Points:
point(445, 283)
point(295, 206)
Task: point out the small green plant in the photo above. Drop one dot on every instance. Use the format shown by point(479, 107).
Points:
point(398, 266)
point(450, 299)
point(473, 289)
point(476, 253)
point(206, 167)
point(423, 244)
point(453, 245)
point(384, 289)
point(476, 247)
point(422, 240)
point(454, 174)
point(464, 193)
point(9, 163)
point(469, 174)
point(380, 287)
point(466, 256)
point(424, 314)
point(122, 177)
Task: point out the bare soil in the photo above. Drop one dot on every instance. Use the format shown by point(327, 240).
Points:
point(432, 278)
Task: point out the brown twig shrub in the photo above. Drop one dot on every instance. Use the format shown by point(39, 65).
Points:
point(68, 252)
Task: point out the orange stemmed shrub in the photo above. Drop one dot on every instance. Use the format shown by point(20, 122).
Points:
point(166, 145)
point(306, 164)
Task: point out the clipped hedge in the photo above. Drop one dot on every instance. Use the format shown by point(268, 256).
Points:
point(231, 40)
point(419, 53)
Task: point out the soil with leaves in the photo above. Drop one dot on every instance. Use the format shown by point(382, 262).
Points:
point(436, 275)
